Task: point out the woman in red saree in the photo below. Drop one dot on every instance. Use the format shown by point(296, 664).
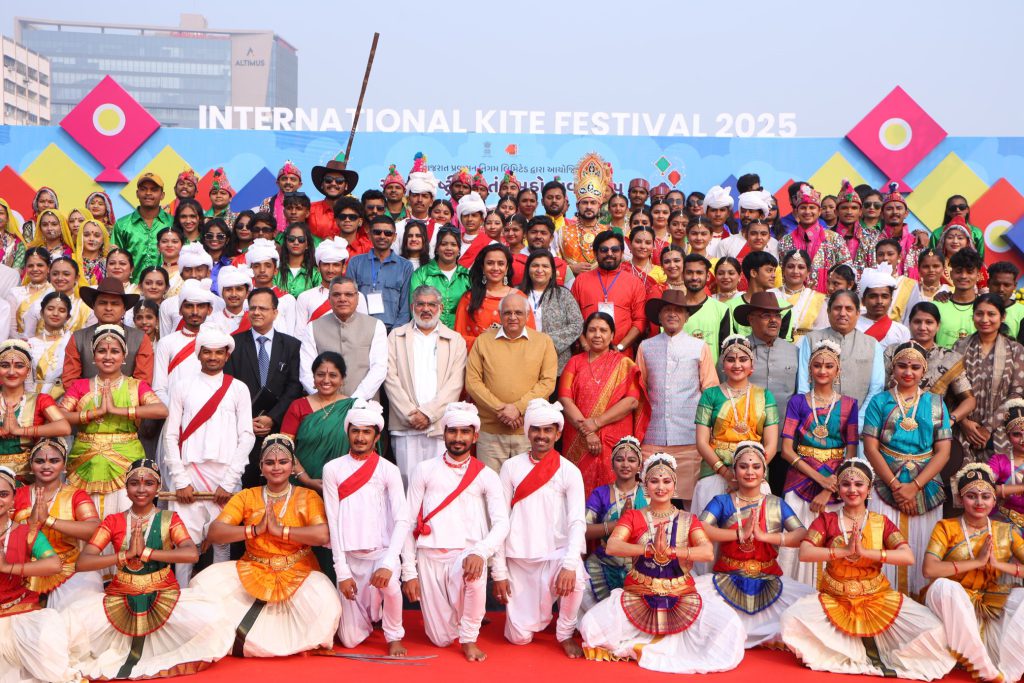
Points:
point(600, 392)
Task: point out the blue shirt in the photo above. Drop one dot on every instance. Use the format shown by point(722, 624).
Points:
point(390, 278)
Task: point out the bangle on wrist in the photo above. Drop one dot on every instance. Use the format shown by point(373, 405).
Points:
point(146, 554)
point(894, 478)
point(285, 532)
point(50, 521)
point(883, 556)
point(956, 569)
point(122, 558)
point(917, 484)
point(1016, 571)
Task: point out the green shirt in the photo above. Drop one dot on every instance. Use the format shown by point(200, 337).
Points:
point(133, 235)
point(1014, 315)
point(451, 289)
point(957, 322)
point(976, 236)
point(708, 323)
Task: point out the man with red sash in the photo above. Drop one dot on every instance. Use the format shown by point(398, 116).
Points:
point(206, 442)
point(540, 561)
point(234, 282)
point(263, 258)
point(471, 212)
point(331, 256)
point(194, 264)
point(754, 209)
point(368, 518)
point(175, 358)
point(876, 287)
point(461, 520)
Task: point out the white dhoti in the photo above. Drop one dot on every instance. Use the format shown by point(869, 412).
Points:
point(914, 645)
point(529, 608)
point(305, 621)
point(370, 604)
point(452, 608)
point(78, 585)
point(789, 558)
point(917, 529)
point(713, 642)
point(194, 636)
point(34, 648)
point(761, 627)
point(992, 650)
point(197, 518)
point(411, 449)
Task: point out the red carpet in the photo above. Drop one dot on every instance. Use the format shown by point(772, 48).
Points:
point(540, 662)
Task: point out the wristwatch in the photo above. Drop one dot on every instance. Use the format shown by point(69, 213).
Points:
point(620, 348)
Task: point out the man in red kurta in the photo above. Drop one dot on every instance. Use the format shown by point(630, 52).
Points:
point(333, 180)
point(609, 289)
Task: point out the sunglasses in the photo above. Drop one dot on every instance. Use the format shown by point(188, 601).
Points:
point(214, 236)
point(382, 233)
point(872, 205)
point(296, 239)
point(337, 180)
point(609, 250)
point(958, 207)
point(262, 230)
point(694, 205)
point(348, 216)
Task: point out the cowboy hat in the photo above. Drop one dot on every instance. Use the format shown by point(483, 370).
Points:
point(761, 301)
point(673, 297)
point(339, 165)
point(108, 285)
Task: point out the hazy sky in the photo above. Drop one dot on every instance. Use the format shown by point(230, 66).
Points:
point(827, 63)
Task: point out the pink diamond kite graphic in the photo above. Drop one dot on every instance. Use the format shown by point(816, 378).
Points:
point(896, 134)
point(110, 124)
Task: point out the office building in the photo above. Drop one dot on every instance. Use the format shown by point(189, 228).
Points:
point(25, 97)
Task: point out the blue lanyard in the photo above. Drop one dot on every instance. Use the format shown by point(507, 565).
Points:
point(607, 289)
point(373, 271)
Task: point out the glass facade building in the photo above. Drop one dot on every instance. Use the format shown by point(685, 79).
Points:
point(170, 71)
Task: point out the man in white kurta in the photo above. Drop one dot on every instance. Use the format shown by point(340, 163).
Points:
point(541, 559)
point(368, 517)
point(194, 264)
point(234, 284)
point(174, 360)
point(454, 541)
point(263, 259)
point(330, 261)
point(876, 291)
point(207, 442)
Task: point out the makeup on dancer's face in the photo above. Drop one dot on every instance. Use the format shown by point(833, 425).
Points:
point(47, 464)
point(979, 502)
point(626, 465)
point(853, 490)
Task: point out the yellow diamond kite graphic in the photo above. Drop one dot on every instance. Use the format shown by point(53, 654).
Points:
point(951, 176)
point(829, 178)
point(167, 164)
point(53, 168)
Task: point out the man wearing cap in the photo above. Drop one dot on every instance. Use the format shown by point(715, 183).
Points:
point(577, 238)
point(793, 192)
point(426, 371)
point(754, 209)
point(860, 240)
point(470, 213)
point(206, 443)
point(194, 263)
point(221, 194)
point(333, 180)
point(507, 368)
point(394, 194)
point(331, 256)
point(660, 191)
point(718, 204)
point(175, 359)
point(262, 257)
point(509, 185)
point(361, 339)
point(894, 214)
point(289, 180)
point(609, 289)
point(541, 559)
point(136, 232)
point(235, 283)
point(383, 276)
point(825, 247)
point(108, 303)
point(460, 184)
point(421, 190)
point(876, 287)
point(675, 368)
point(639, 191)
point(708, 317)
point(368, 517)
point(185, 187)
point(461, 521)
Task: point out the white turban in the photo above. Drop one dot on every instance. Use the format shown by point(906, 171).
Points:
point(233, 276)
point(539, 413)
point(459, 414)
point(420, 182)
point(261, 250)
point(758, 200)
point(718, 197)
point(880, 276)
point(471, 203)
point(213, 338)
point(334, 250)
point(193, 255)
point(365, 414)
point(196, 292)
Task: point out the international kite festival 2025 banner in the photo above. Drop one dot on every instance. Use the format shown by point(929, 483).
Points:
point(109, 140)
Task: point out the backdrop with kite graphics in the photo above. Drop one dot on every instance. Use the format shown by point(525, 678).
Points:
point(109, 140)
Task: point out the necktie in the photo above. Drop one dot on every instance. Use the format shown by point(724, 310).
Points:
point(263, 358)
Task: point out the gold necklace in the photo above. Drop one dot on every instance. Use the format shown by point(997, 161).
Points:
point(749, 500)
point(662, 515)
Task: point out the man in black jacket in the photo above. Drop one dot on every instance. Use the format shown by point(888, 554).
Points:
point(267, 361)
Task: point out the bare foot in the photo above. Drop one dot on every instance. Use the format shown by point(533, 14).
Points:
point(473, 653)
point(571, 648)
point(396, 649)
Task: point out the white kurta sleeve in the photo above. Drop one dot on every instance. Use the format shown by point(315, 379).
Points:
point(330, 494)
point(575, 511)
point(399, 515)
point(172, 452)
point(499, 570)
point(246, 437)
point(161, 359)
point(378, 369)
point(497, 512)
point(417, 487)
point(307, 354)
point(169, 315)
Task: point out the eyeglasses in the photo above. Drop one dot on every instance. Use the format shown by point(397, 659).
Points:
point(382, 233)
point(214, 236)
point(872, 205)
point(375, 209)
point(609, 250)
point(348, 216)
point(337, 180)
point(958, 207)
point(296, 239)
point(695, 205)
point(674, 202)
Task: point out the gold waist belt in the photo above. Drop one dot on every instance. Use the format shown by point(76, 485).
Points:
point(278, 563)
point(641, 583)
point(821, 454)
point(144, 580)
point(852, 588)
point(752, 567)
point(913, 457)
point(107, 438)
